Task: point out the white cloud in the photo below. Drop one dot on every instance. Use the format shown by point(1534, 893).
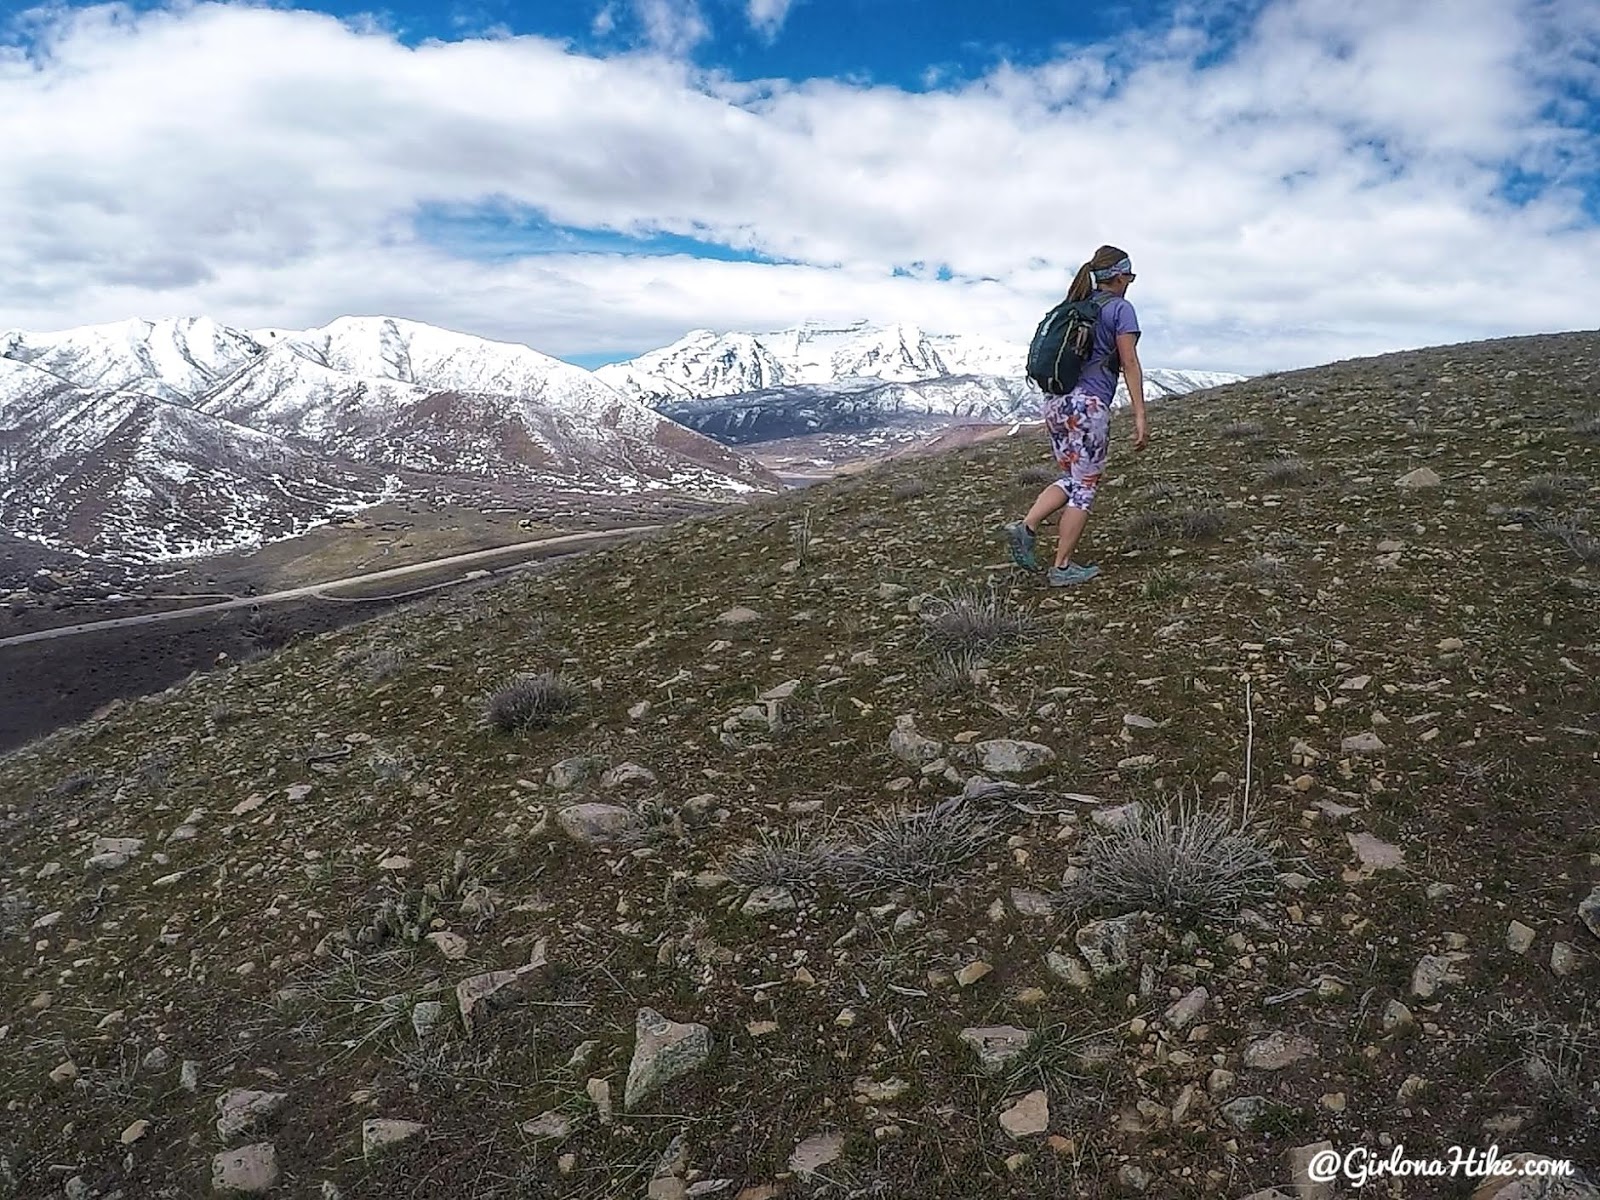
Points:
point(673, 27)
point(767, 16)
point(1331, 185)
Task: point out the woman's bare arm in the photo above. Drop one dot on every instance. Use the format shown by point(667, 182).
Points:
point(1133, 373)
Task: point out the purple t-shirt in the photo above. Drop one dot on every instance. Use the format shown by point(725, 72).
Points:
point(1099, 375)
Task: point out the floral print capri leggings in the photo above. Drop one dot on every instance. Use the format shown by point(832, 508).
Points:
point(1080, 434)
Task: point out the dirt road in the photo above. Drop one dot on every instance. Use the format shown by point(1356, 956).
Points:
point(320, 590)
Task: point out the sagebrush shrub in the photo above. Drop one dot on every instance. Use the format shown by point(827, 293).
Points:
point(531, 701)
point(974, 618)
point(1186, 860)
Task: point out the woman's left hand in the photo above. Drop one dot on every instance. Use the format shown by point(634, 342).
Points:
point(1141, 433)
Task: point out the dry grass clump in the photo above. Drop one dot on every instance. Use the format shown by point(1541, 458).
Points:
point(1198, 524)
point(1569, 531)
point(74, 785)
point(531, 702)
point(1165, 583)
point(382, 664)
point(1287, 472)
point(1264, 568)
point(1192, 524)
point(1588, 426)
point(1186, 860)
point(908, 489)
point(788, 858)
point(911, 847)
point(1562, 1063)
point(889, 849)
point(974, 618)
point(1242, 431)
point(954, 672)
point(1552, 488)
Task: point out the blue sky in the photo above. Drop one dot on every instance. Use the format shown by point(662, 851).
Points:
point(1297, 180)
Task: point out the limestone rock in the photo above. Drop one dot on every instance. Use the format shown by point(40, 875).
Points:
point(867, 1090)
point(550, 1124)
point(1005, 756)
point(738, 615)
point(1433, 972)
point(593, 824)
point(1375, 854)
point(1118, 816)
point(667, 1180)
point(1107, 946)
point(1028, 1117)
point(252, 1168)
point(1396, 1018)
point(242, 1109)
point(1365, 742)
point(1245, 1112)
point(1185, 1010)
point(1032, 904)
point(379, 1132)
point(571, 772)
point(972, 972)
point(452, 945)
point(1132, 1179)
point(663, 1050)
point(816, 1152)
point(426, 1017)
point(628, 774)
point(477, 993)
point(1067, 968)
point(1589, 912)
point(996, 1045)
point(906, 744)
point(1278, 1050)
point(1519, 938)
point(1422, 477)
point(113, 853)
point(768, 899)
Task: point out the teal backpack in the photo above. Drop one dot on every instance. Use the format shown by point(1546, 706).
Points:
point(1063, 342)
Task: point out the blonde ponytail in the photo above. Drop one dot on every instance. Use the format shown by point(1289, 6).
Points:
point(1083, 282)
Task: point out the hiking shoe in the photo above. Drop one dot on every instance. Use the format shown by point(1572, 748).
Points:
point(1021, 540)
point(1071, 574)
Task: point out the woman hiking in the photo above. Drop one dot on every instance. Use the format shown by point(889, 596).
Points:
point(1079, 422)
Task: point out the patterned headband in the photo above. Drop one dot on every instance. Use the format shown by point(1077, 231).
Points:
point(1122, 268)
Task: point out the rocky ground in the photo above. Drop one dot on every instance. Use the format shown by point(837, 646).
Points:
point(820, 853)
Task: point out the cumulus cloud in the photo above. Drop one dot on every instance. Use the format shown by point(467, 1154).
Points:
point(1322, 178)
point(673, 27)
point(767, 16)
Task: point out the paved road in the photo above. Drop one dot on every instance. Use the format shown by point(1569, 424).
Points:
point(317, 590)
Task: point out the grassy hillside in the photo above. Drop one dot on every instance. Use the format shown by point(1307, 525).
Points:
point(1407, 673)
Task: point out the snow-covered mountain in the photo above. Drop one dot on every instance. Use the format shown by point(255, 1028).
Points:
point(114, 473)
point(406, 395)
point(731, 385)
point(704, 363)
point(163, 439)
point(170, 360)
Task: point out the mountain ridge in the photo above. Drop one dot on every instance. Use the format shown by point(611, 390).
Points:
point(345, 407)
